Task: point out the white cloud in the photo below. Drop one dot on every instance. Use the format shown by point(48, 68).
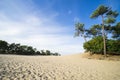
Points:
point(56, 43)
point(39, 31)
point(33, 20)
point(9, 32)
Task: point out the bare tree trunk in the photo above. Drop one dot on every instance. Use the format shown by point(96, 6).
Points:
point(104, 38)
point(85, 38)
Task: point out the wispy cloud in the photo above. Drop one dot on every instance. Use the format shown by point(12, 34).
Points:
point(22, 22)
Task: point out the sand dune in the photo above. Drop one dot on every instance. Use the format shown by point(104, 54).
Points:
point(73, 67)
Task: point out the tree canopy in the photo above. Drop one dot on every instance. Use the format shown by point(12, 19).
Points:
point(6, 48)
point(80, 30)
point(99, 41)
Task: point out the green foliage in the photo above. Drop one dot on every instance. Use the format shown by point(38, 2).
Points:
point(113, 47)
point(109, 20)
point(3, 46)
point(95, 30)
point(79, 27)
point(104, 10)
point(48, 52)
point(43, 52)
point(108, 17)
point(111, 13)
point(56, 54)
point(95, 46)
point(80, 30)
point(116, 31)
point(101, 10)
point(99, 43)
point(13, 48)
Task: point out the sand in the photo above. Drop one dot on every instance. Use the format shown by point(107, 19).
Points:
point(72, 67)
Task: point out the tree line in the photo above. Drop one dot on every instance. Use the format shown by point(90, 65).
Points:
point(104, 37)
point(13, 48)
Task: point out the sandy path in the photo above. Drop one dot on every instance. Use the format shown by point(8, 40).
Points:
point(72, 67)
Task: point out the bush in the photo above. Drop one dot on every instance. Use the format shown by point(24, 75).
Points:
point(95, 46)
point(113, 46)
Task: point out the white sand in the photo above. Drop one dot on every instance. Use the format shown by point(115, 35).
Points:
point(73, 67)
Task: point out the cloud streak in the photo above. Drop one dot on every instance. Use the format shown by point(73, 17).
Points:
point(26, 24)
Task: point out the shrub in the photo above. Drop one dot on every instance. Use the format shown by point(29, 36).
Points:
point(95, 46)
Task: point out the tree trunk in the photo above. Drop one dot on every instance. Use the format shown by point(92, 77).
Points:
point(84, 35)
point(104, 38)
point(85, 38)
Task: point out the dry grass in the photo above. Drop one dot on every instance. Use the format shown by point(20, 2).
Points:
point(101, 57)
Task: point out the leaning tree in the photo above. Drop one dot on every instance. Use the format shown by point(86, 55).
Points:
point(80, 30)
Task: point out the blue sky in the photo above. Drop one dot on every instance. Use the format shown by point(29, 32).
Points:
point(48, 24)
